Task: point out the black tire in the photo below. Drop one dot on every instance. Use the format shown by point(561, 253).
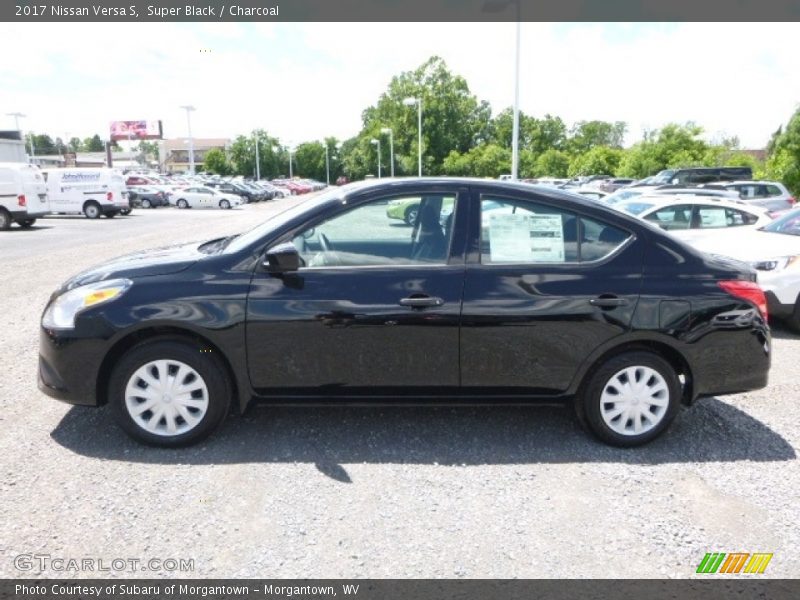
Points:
point(589, 406)
point(125, 211)
point(208, 366)
point(111, 215)
point(27, 223)
point(411, 215)
point(146, 203)
point(182, 203)
point(224, 204)
point(92, 210)
point(793, 322)
point(5, 219)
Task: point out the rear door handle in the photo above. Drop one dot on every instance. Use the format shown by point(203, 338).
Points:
point(421, 301)
point(608, 301)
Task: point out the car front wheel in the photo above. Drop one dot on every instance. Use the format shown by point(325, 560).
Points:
point(169, 393)
point(182, 203)
point(630, 399)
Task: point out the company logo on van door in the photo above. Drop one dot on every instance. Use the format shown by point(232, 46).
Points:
point(81, 177)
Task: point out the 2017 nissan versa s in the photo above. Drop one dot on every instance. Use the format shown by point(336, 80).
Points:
point(499, 292)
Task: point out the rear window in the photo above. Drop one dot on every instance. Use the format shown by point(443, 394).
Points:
point(635, 208)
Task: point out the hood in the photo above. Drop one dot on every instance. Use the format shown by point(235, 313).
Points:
point(749, 246)
point(159, 261)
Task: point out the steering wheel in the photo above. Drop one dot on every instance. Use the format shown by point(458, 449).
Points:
point(325, 243)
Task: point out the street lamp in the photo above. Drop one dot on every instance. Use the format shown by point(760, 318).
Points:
point(189, 109)
point(391, 147)
point(377, 142)
point(17, 116)
point(258, 167)
point(327, 164)
point(290, 162)
point(495, 6)
point(418, 102)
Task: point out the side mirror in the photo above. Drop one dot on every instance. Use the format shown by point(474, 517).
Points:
point(282, 258)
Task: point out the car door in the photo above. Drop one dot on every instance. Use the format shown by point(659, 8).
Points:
point(374, 309)
point(545, 286)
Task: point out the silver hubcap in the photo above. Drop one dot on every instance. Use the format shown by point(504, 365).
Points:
point(166, 397)
point(91, 211)
point(634, 400)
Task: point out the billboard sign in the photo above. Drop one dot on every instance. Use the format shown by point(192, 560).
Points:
point(135, 130)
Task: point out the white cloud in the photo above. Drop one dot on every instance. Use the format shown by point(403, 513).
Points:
point(306, 81)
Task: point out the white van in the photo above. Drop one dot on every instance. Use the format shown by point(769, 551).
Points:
point(23, 195)
point(93, 192)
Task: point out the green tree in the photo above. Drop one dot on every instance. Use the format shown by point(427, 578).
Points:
point(94, 144)
point(673, 146)
point(551, 163)
point(216, 162)
point(42, 143)
point(783, 163)
point(310, 160)
point(600, 160)
point(535, 135)
point(585, 135)
point(75, 144)
point(486, 160)
point(452, 119)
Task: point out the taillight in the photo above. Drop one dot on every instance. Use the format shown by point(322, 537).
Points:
point(21, 200)
point(792, 200)
point(110, 196)
point(749, 291)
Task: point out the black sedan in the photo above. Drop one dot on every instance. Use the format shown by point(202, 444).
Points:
point(513, 294)
point(147, 197)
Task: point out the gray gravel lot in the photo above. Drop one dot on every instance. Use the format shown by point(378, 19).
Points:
point(354, 492)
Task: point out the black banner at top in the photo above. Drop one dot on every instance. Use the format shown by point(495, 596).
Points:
point(397, 10)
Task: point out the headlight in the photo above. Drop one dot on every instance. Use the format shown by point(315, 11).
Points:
point(776, 264)
point(61, 312)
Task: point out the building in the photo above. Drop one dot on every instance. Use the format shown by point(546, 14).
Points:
point(12, 148)
point(173, 155)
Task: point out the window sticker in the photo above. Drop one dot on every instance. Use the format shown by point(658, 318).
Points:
point(712, 217)
point(526, 238)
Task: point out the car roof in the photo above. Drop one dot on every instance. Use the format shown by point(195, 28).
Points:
point(662, 200)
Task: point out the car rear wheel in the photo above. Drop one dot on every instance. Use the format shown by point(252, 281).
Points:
point(169, 393)
point(182, 203)
point(5, 219)
point(630, 399)
point(146, 203)
point(411, 215)
point(224, 204)
point(92, 210)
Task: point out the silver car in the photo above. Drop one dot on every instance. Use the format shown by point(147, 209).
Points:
point(772, 195)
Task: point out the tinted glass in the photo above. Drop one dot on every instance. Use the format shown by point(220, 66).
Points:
point(672, 217)
point(599, 239)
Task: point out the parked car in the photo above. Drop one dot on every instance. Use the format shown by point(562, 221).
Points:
point(772, 195)
point(629, 193)
point(591, 193)
point(774, 251)
point(404, 209)
point(91, 191)
point(205, 197)
point(690, 217)
point(327, 301)
point(146, 197)
point(234, 189)
point(612, 185)
point(698, 175)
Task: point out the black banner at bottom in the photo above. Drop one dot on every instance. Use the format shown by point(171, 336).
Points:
point(714, 588)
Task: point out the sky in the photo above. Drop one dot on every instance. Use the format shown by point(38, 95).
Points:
point(306, 81)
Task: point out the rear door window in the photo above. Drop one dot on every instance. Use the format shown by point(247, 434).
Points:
point(671, 218)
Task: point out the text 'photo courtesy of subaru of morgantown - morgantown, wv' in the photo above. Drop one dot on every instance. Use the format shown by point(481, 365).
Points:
point(479, 297)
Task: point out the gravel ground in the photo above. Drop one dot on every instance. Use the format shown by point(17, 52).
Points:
point(346, 492)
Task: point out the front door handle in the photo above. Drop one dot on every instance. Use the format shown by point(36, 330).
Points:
point(421, 301)
point(608, 301)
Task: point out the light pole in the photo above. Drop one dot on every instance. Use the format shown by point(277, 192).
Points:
point(17, 116)
point(418, 102)
point(494, 6)
point(391, 148)
point(327, 164)
point(290, 163)
point(258, 167)
point(377, 142)
point(189, 109)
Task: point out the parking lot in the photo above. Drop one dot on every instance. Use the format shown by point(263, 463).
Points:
point(374, 492)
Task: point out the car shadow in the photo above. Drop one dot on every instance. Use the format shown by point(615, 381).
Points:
point(329, 437)
point(26, 229)
point(781, 331)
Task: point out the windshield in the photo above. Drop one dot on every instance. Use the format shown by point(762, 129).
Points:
point(663, 176)
point(279, 220)
point(788, 224)
point(622, 195)
point(636, 208)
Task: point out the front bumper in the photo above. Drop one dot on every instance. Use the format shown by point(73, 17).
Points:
point(778, 309)
point(69, 366)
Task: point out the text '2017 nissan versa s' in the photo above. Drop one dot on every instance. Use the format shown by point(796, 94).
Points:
point(496, 293)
